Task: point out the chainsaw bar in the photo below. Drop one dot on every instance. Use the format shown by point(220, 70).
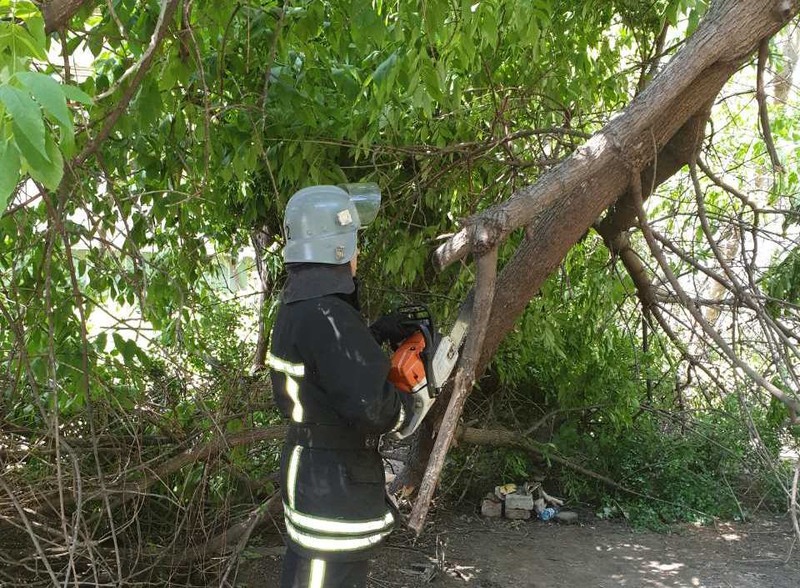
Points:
point(447, 351)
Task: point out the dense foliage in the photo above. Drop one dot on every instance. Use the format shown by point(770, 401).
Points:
point(146, 154)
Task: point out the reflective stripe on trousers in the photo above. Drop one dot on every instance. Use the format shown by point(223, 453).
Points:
point(331, 535)
point(334, 544)
point(300, 572)
point(316, 577)
point(336, 535)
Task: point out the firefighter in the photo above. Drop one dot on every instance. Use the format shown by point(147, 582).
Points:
point(329, 377)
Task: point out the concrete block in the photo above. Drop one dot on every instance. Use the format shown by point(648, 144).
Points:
point(519, 501)
point(517, 513)
point(565, 516)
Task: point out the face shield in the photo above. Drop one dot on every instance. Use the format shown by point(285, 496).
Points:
point(366, 197)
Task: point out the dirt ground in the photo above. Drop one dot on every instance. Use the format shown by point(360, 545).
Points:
point(467, 551)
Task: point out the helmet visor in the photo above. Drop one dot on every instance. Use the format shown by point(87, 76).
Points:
point(366, 197)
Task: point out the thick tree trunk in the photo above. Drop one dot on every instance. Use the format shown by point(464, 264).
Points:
point(58, 12)
point(559, 208)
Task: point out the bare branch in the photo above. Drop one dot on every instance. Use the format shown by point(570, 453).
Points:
point(792, 403)
point(763, 114)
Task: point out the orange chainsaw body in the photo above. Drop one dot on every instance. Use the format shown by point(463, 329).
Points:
point(408, 368)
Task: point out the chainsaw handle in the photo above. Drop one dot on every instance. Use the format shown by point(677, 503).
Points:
point(426, 355)
point(412, 361)
point(412, 372)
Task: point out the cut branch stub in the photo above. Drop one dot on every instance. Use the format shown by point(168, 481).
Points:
point(487, 232)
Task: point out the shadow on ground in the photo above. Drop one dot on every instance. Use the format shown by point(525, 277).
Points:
point(466, 551)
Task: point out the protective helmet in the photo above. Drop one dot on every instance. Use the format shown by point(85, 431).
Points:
point(321, 222)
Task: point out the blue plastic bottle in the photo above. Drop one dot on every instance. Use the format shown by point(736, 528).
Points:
point(547, 513)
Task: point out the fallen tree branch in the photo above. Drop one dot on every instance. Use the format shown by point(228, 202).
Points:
point(465, 377)
point(493, 437)
point(245, 529)
point(203, 453)
point(235, 538)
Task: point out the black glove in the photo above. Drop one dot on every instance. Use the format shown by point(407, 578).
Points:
point(393, 328)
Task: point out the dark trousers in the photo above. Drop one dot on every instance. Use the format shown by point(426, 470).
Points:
point(299, 572)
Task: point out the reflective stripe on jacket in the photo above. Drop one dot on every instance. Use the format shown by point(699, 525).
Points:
point(328, 371)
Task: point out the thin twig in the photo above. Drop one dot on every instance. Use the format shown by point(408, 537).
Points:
point(31, 532)
point(636, 189)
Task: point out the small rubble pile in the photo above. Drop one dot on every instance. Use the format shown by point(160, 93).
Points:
point(516, 501)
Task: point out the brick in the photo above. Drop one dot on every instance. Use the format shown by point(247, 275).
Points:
point(491, 508)
point(517, 513)
point(519, 501)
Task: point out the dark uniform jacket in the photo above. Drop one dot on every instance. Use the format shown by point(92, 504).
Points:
point(329, 378)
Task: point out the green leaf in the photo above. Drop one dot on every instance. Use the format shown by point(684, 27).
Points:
point(21, 40)
point(26, 120)
point(52, 176)
point(9, 171)
point(385, 68)
point(148, 104)
point(48, 171)
point(47, 92)
point(126, 347)
point(35, 26)
point(76, 94)
point(23, 9)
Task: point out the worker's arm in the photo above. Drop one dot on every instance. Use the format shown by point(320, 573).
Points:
point(351, 368)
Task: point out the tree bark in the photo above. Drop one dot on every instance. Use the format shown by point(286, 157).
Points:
point(661, 128)
point(559, 208)
point(260, 240)
point(58, 12)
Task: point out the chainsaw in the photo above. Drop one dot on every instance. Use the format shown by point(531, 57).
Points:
point(423, 362)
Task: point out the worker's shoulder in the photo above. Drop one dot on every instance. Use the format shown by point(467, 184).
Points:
point(323, 307)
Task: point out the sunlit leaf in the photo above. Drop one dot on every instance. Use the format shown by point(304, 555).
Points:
point(9, 171)
point(26, 119)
